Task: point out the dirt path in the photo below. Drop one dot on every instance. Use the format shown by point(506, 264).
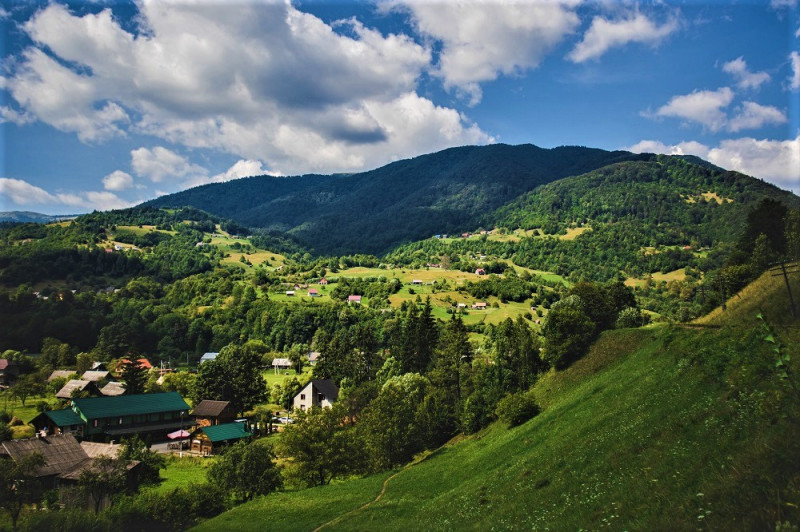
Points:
point(378, 497)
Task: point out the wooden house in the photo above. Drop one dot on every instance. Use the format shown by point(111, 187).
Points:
point(61, 374)
point(210, 439)
point(209, 413)
point(354, 299)
point(77, 387)
point(281, 363)
point(313, 292)
point(95, 376)
point(9, 371)
point(480, 305)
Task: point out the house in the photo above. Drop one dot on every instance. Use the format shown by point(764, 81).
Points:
point(313, 357)
point(290, 293)
point(143, 362)
point(208, 356)
point(323, 281)
point(61, 374)
point(317, 393)
point(77, 387)
point(98, 366)
point(58, 422)
point(313, 292)
point(112, 389)
point(461, 305)
point(281, 363)
point(208, 440)
point(416, 281)
point(153, 414)
point(9, 371)
point(208, 413)
point(480, 305)
point(353, 299)
point(480, 271)
point(95, 376)
point(64, 461)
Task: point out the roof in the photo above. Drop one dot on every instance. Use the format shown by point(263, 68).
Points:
point(59, 373)
point(62, 453)
point(4, 363)
point(226, 432)
point(97, 366)
point(354, 298)
point(313, 356)
point(64, 418)
point(143, 361)
point(69, 388)
point(95, 449)
point(327, 388)
point(281, 362)
point(113, 389)
point(94, 376)
point(128, 405)
point(208, 356)
point(209, 408)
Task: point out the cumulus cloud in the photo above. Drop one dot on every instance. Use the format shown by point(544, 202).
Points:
point(240, 169)
point(242, 81)
point(160, 163)
point(776, 161)
point(117, 180)
point(703, 107)
point(604, 34)
point(481, 40)
point(20, 192)
point(744, 78)
point(794, 79)
point(754, 116)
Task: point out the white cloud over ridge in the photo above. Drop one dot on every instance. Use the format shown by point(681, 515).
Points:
point(265, 82)
point(604, 34)
point(776, 161)
point(480, 40)
point(20, 192)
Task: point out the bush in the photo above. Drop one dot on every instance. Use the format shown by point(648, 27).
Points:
point(517, 408)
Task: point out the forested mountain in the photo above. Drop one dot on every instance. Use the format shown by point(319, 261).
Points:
point(31, 217)
point(450, 191)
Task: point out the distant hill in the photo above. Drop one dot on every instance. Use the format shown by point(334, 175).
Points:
point(452, 190)
point(33, 217)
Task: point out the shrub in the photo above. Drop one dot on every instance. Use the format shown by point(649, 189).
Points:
point(517, 408)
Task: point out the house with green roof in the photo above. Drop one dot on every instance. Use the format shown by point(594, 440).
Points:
point(104, 418)
point(208, 440)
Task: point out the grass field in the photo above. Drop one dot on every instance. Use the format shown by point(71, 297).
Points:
point(182, 472)
point(663, 428)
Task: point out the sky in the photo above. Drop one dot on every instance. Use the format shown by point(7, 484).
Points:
point(104, 105)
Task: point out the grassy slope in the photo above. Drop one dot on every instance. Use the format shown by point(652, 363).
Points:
point(660, 428)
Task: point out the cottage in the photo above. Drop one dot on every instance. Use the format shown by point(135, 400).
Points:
point(95, 376)
point(58, 422)
point(281, 363)
point(77, 387)
point(354, 299)
point(480, 271)
point(9, 370)
point(113, 389)
point(290, 293)
point(313, 292)
point(208, 413)
point(479, 306)
point(323, 281)
point(208, 356)
point(61, 374)
point(208, 440)
point(317, 393)
point(416, 281)
point(313, 357)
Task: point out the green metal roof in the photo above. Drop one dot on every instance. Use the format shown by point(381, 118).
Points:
point(64, 418)
point(226, 431)
point(130, 405)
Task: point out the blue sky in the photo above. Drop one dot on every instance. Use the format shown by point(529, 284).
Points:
point(107, 104)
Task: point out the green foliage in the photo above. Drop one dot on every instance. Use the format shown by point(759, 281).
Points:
point(517, 408)
point(235, 376)
point(151, 462)
point(105, 477)
point(568, 332)
point(246, 470)
point(134, 375)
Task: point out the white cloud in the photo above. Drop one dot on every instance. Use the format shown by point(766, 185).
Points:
point(782, 4)
point(754, 116)
point(240, 169)
point(703, 107)
point(604, 34)
point(160, 163)
point(20, 192)
point(242, 81)
point(794, 80)
point(7, 114)
point(744, 78)
point(481, 40)
point(117, 180)
point(776, 161)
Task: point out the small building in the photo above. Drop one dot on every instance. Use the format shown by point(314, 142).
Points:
point(290, 293)
point(480, 271)
point(208, 356)
point(480, 305)
point(113, 389)
point(58, 422)
point(77, 387)
point(98, 366)
point(9, 371)
point(317, 393)
point(323, 281)
point(61, 374)
point(416, 281)
point(461, 305)
point(354, 299)
point(209, 440)
point(281, 363)
point(208, 413)
point(313, 357)
point(313, 292)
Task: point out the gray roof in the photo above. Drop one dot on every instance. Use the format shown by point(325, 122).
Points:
point(113, 389)
point(208, 356)
point(67, 390)
point(209, 408)
point(62, 453)
point(327, 388)
point(281, 362)
point(95, 449)
point(94, 376)
point(59, 373)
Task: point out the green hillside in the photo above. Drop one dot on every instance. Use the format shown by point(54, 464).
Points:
point(661, 428)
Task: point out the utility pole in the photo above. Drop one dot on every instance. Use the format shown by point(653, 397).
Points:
point(784, 268)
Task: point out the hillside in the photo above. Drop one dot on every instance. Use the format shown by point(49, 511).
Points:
point(32, 217)
point(659, 428)
point(450, 191)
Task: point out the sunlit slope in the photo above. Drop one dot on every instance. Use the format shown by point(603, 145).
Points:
point(663, 428)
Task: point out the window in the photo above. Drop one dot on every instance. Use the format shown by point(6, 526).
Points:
point(302, 397)
point(120, 421)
